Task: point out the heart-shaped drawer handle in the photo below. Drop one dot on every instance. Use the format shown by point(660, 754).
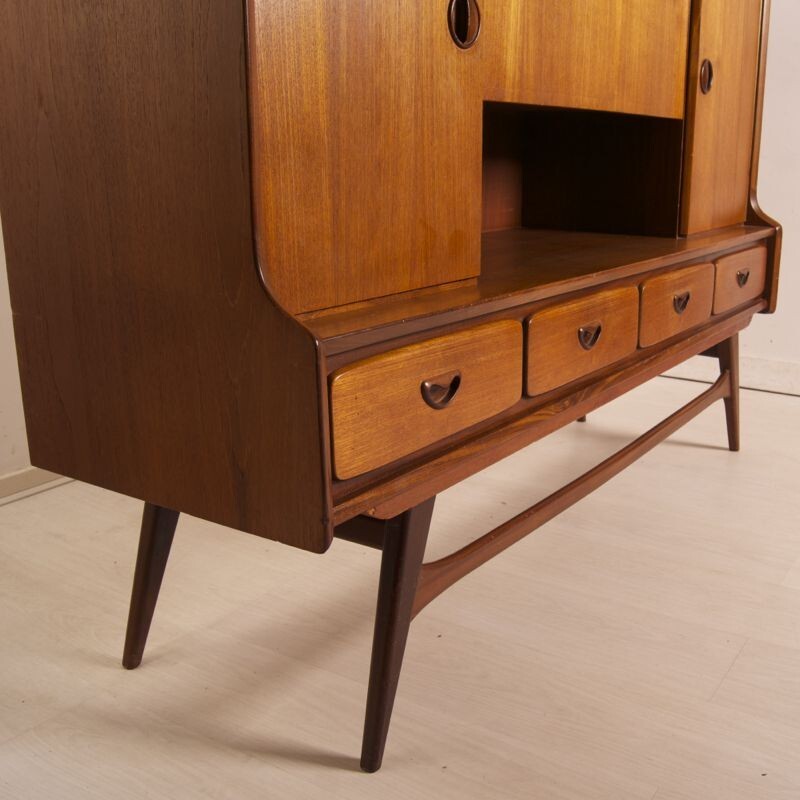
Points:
point(439, 392)
point(589, 335)
point(742, 276)
point(681, 301)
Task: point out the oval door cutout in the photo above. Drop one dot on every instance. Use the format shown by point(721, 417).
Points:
point(464, 19)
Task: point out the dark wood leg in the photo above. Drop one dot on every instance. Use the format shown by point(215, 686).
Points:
point(582, 419)
point(728, 354)
point(403, 550)
point(158, 530)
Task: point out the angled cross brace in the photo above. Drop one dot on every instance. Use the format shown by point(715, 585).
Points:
point(437, 576)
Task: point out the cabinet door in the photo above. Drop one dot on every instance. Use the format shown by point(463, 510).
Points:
point(366, 121)
point(626, 56)
point(723, 74)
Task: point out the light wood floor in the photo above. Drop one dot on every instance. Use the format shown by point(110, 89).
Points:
point(646, 644)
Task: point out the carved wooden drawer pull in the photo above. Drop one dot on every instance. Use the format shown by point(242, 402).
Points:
point(742, 277)
point(589, 335)
point(439, 392)
point(464, 19)
point(681, 302)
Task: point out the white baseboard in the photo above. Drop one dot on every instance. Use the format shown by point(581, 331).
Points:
point(27, 481)
point(756, 373)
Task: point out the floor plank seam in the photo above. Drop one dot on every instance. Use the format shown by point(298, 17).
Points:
point(728, 671)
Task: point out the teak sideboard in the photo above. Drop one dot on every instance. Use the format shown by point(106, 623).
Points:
point(297, 266)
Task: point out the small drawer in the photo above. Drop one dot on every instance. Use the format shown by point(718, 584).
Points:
point(570, 340)
point(741, 277)
point(396, 403)
point(675, 302)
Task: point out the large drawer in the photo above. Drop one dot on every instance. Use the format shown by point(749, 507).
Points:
point(740, 277)
point(570, 340)
point(675, 302)
point(391, 405)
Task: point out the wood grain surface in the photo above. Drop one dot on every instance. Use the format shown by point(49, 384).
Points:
point(660, 318)
point(377, 409)
point(610, 55)
point(720, 124)
point(366, 126)
point(731, 271)
point(555, 354)
point(577, 170)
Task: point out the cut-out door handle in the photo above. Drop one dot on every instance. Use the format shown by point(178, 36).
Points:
point(742, 277)
point(439, 392)
point(589, 335)
point(464, 21)
point(681, 301)
point(706, 76)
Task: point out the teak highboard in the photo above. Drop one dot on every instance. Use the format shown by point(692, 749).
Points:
point(297, 266)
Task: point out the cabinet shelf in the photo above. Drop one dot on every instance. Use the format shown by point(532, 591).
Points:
point(519, 266)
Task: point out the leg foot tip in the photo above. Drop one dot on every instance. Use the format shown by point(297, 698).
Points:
point(131, 663)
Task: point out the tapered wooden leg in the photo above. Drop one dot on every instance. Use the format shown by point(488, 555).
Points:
point(728, 353)
point(582, 419)
point(158, 530)
point(403, 550)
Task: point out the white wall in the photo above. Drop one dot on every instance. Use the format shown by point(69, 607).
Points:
point(770, 348)
point(774, 338)
point(13, 447)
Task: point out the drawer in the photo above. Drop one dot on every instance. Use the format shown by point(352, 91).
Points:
point(741, 277)
point(675, 302)
point(393, 404)
point(570, 340)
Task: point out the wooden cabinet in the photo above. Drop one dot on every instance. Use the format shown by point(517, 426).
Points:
point(723, 73)
point(249, 276)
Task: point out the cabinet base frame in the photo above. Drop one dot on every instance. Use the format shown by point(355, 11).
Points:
point(407, 584)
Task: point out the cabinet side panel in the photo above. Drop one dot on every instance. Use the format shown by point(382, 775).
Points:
point(152, 361)
point(367, 149)
point(720, 123)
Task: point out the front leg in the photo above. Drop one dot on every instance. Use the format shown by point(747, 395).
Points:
point(155, 541)
point(728, 354)
point(404, 542)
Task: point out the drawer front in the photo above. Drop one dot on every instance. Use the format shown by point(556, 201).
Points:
point(394, 404)
point(741, 277)
point(675, 302)
point(570, 340)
